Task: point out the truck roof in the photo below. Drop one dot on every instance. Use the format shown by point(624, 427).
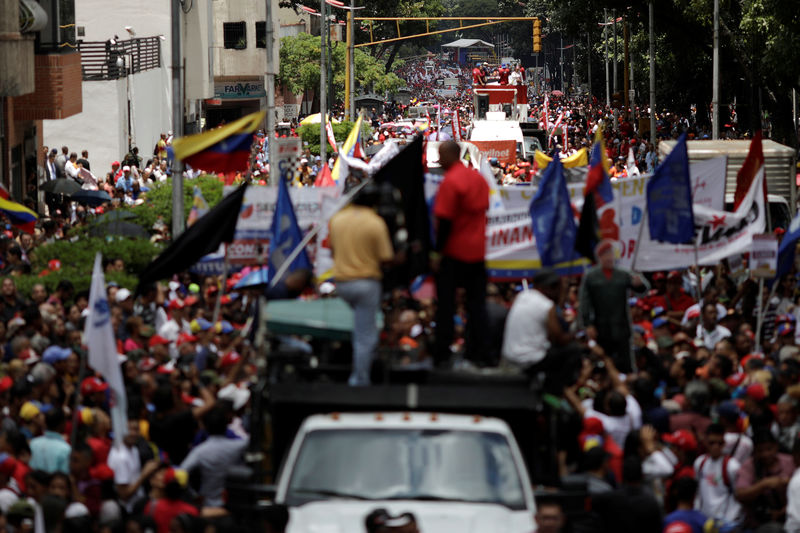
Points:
point(496, 130)
point(700, 148)
point(408, 420)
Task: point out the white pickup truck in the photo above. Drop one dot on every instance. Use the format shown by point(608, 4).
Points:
point(453, 472)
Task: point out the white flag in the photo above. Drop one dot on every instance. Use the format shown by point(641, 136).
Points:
point(103, 358)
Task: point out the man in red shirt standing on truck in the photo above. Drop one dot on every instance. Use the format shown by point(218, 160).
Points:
point(460, 212)
point(478, 76)
point(503, 73)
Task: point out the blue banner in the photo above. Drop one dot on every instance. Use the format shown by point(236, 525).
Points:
point(669, 198)
point(552, 220)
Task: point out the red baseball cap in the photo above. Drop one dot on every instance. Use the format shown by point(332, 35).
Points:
point(229, 359)
point(678, 527)
point(92, 385)
point(183, 338)
point(756, 392)
point(155, 340)
point(5, 383)
point(175, 304)
point(682, 438)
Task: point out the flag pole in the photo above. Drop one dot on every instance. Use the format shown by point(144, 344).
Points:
point(73, 437)
point(638, 241)
point(760, 313)
point(698, 287)
point(763, 311)
point(218, 304)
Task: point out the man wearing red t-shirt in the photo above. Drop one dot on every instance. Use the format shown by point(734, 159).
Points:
point(503, 73)
point(478, 76)
point(460, 211)
point(674, 300)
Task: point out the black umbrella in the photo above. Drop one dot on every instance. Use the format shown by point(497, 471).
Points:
point(61, 186)
point(90, 198)
point(116, 214)
point(118, 227)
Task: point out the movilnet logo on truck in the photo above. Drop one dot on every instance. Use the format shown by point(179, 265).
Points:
point(504, 151)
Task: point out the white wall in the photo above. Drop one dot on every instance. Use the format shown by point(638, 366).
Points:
point(198, 40)
point(102, 20)
point(150, 105)
point(99, 128)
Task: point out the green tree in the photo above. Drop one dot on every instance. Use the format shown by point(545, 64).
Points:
point(299, 69)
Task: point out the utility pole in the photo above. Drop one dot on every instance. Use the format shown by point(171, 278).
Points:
point(178, 223)
point(627, 81)
point(352, 59)
point(562, 62)
point(652, 76)
point(605, 38)
point(589, 60)
point(715, 81)
point(323, 84)
point(269, 84)
point(614, 22)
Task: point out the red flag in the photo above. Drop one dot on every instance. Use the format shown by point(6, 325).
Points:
point(752, 163)
point(324, 178)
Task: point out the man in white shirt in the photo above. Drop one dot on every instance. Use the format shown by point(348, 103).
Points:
point(709, 331)
point(710, 295)
point(72, 167)
point(129, 476)
point(532, 327)
point(716, 478)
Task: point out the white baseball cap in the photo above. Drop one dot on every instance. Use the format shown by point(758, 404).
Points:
point(122, 295)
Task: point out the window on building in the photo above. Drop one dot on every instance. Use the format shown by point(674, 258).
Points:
point(235, 35)
point(261, 34)
point(58, 33)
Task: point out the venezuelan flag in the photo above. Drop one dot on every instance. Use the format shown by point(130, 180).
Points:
point(224, 149)
point(597, 177)
point(351, 147)
point(19, 215)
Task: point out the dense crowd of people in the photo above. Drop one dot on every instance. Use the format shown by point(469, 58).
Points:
point(669, 396)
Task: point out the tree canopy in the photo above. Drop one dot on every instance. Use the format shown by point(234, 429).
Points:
point(299, 68)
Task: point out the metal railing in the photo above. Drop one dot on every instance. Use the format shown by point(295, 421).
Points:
point(113, 59)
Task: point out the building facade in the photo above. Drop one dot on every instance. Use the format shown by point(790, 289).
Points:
point(40, 79)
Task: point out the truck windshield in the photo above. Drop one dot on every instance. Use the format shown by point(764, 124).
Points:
point(465, 466)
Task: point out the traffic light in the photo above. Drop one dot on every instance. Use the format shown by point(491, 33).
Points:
point(537, 36)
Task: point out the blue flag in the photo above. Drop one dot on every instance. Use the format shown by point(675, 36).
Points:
point(285, 234)
point(551, 216)
point(787, 248)
point(669, 198)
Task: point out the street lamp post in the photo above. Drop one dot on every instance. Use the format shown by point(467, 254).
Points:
point(605, 40)
point(715, 81)
point(323, 83)
point(178, 224)
point(652, 76)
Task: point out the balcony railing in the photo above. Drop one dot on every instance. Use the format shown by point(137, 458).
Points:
point(112, 59)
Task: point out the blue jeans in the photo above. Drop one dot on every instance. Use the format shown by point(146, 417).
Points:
point(364, 297)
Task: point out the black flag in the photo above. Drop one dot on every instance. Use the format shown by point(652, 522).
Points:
point(405, 172)
point(588, 230)
point(201, 238)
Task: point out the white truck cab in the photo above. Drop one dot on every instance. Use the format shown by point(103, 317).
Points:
point(453, 472)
